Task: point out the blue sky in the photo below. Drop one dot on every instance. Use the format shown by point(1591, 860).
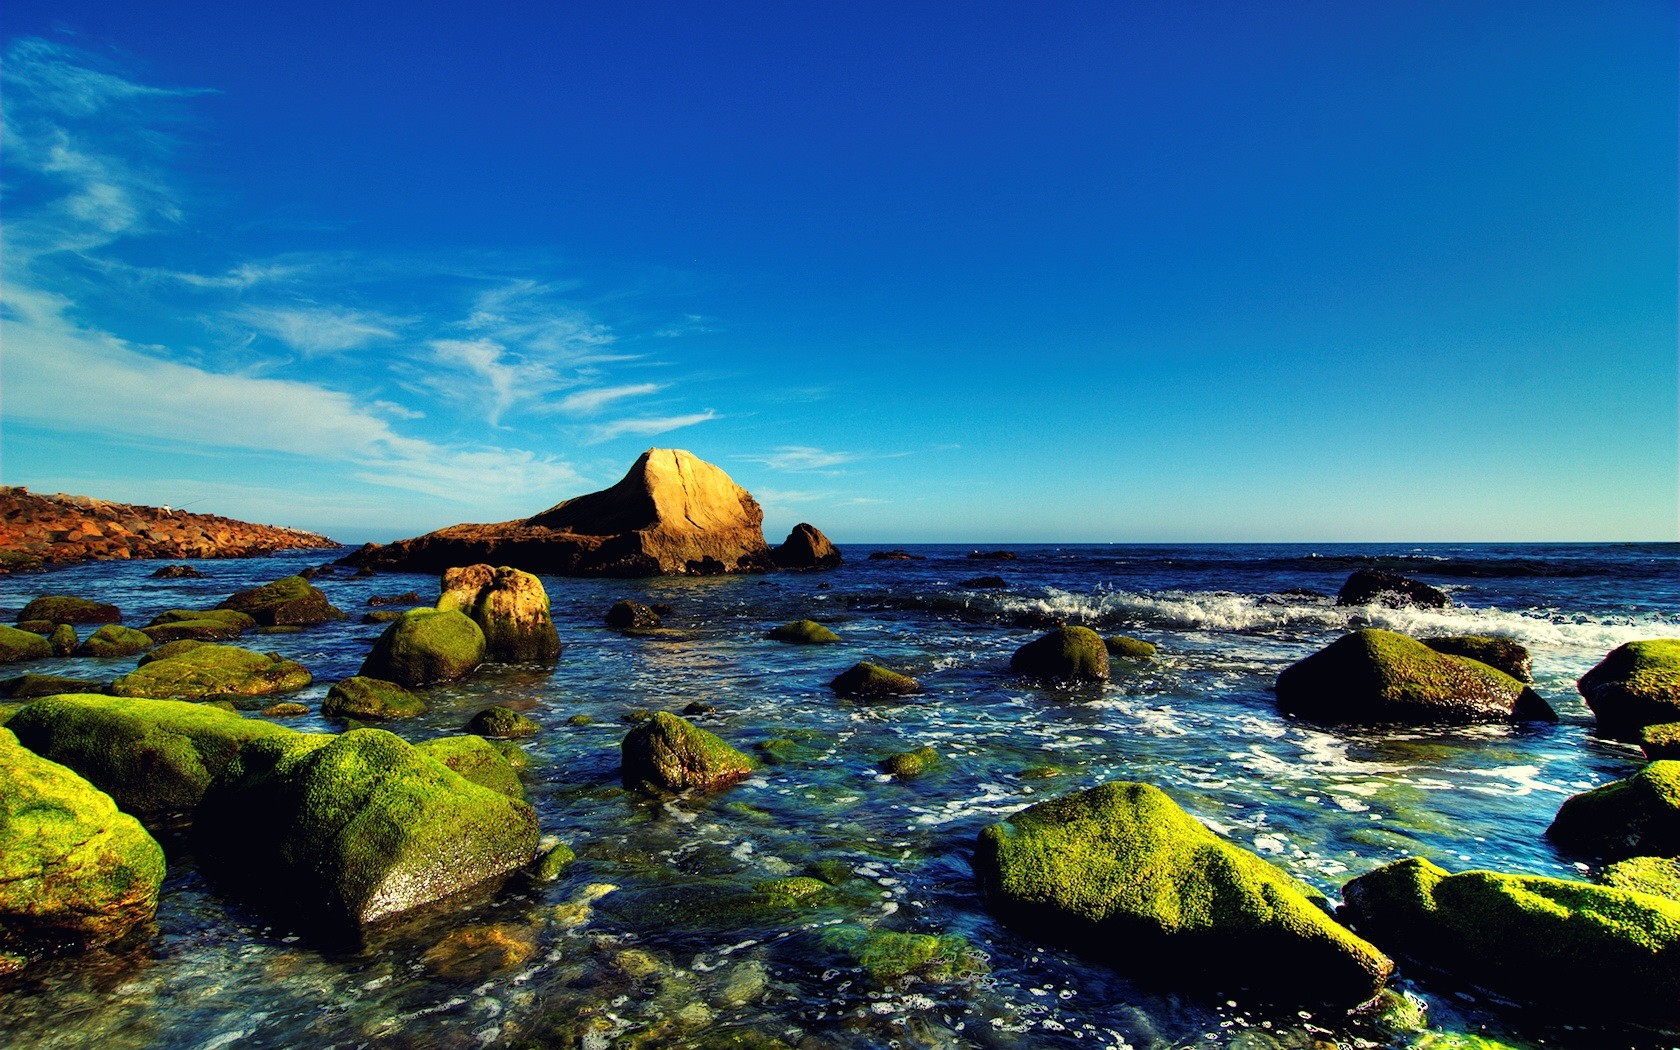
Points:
point(964, 272)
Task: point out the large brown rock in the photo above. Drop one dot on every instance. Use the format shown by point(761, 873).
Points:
point(509, 606)
point(673, 513)
point(806, 548)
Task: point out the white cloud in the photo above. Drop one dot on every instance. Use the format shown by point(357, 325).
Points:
point(586, 402)
point(802, 457)
point(315, 330)
point(646, 427)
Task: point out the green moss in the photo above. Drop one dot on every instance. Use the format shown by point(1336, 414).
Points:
point(888, 957)
point(478, 760)
point(292, 601)
point(63, 640)
point(1122, 873)
point(552, 864)
point(1121, 647)
point(284, 709)
point(1637, 685)
point(1041, 772)
point(1626, 818)
point(803, 632)
point(502, 723)
point(425, 646)
point(205, 625)
point(16, 645)
point(1569, 947)
point(63, 608)
point(513, 753)
point(365, 698)
point(40, 627)
point(1066, 652)
point(30, 686)
point(115, 640)
point(907, 765)
point(7, 711)
point(792, 891)
point(170, 650)
point(668, 753)
point(1502, 654)
point(1655, 875)
point(580, 720)
point(214, 670)
point(1660, 741)
point(383, 616)
point(783, 751)
point(869, 681)
point(833, 872)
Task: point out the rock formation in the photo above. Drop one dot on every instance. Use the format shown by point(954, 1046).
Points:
point(806, 548)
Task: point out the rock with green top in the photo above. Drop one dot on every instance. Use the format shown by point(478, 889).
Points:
point(203, 625)
point(803, 632)
point(72, 866)
point(1660, 741)
point(502, 723)
point(113, 639)
point(1655, 875)
point(214, 670)
point(292, 601)
point(63, 608)
point(553, 863)
point(364, 698)
point(425, 646)
point(347, 830)
point(40, 627)
point(1076, 653)
point(510, 606)
point(30, 686)
point(1637, 685)
point(1572, 948)
point(1372, 677)
point(478, 760)
point(63, 640)
point(1121, 873)
point(867, 681)
point(889, 956)
point(669, 753)
point(1502, 654)
point(152, 756)
point(1122, 647)
point(1639, 816)
point(908, 765)
point(170, 650)
point(17, 645)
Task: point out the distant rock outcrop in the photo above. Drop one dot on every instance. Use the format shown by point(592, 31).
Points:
point(806, 548)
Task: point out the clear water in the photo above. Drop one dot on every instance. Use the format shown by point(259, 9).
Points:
point(661, 960)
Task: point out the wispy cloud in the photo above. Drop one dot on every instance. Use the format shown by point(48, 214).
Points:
point(588, 402)
point(646, 427)
point(315, 330)
point(802, 458)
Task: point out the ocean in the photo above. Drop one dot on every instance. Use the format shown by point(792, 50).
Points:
point(648, 938)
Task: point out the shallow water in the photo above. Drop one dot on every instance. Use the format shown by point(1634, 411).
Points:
point(666, 956)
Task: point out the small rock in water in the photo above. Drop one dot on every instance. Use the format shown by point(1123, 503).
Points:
point(177, 572)
point(475, 952)
point(502, 723)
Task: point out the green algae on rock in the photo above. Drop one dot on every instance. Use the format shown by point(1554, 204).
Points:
point(478, 760)
point(889, 956)
point(873, 682)
point(205, 625)
point(425, 646)
point(30, 686)
point(803, 632)
point(73, 868)
point(1638, 816)
point(1502, 654)
point(502, 723)
point(1660, 741)
point(1656, 875)
point(63, 640)
point(17, 645)
point(289, 602)
point(363, 698)
point(1376, 677)
point(510, 606)
point(64, 608)
point(1064, 653)
point(908, 765)
point(1571, 948)
point(669, 753)
point(354, 828)
point(1121, 647)
point(214, 670)
point(1636, 685)
point(114, 639)
point(1122, 873)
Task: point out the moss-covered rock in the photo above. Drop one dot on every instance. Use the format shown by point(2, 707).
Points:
point(1122, 647)
point(1655, 875)
point(1637, 685)
point(9, 711)
point(383, 616)
point(30, 686)
point(18, 645)
point(170, 650)
point(63, 640)
point(869, 681)
point(292, 601)
point(668, 753)
point(803, 632)
point(908, 765)
point(1639, 816)
point(888, 956)
point(369, 698)
point(478, 760)
point(63, 608)
point(1374, 677)
point(214, 670)
point(203, 625)
point(628, 615)
point(1502, 654)
point(113, 640)
point(151, 756)
point(284, 709)
point(425, 646)
point(1122, 873)
point(1660, 741)
point(40, 627)
point(1064, 653)
point(553, 863)
point(354, 828)
point(511, 608)
point(1571, 948)
point(72, 866)
point(502, 723)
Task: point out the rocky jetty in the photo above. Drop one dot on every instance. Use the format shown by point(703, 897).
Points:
point(41, 531)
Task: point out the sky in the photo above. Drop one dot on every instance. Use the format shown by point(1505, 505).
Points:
point(942, 272)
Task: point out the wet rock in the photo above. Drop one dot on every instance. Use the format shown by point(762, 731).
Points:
point(1121, 873)
point(991, 555)
point(806, 548)
point(1639, 816)
point(478, 760)
point(365, 698)
point(745, 983)
point(63, 640)
point(40, 627)
point(509, 606)
point(908, 765)
point(205, 625)
point(115, 640)
point(382, 616)
point(1502, 654)
point(289, 602)
point(803, 632)
point(1656, 875)
point(894, 555)
point(405, 598)
point(214, 670)
point(1121, 647)
point(1377, 587)
point(1637, 685)
point(888, 957)
point(425, 646)
point(502, 723)
point(869, 681)
point(667, 753)
point(553, 863)
point(30, 686)
point(177, 572)
point(475, 952)
point(63, 608)
point(580, 720)
point(696, 708)
point(626, 615)
point(1660, 741)
point(1064, 653)
point(170, 650)
point(17, 646)
point(284, 709)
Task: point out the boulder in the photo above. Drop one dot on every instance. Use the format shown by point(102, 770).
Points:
point(502, 723)
point(17, 646)
point(289, 602)
point(1502, 654)
point(1372, 677)
point(908, 765)
point(631, 616)
point(668, 753)
point(151, 756)
point(1121, 647)
point(424, 646)
point(63, 640)
point(370, 698)
point(30, 686)
point(177, 572)
point(63, 608)
point(1573, 949)
point(509, 606)
point(1639, 816)
point(347, 830)
point(1660, 741)
point(802, 632)
point(806, 548)
point(476, 759)
point(284, 709)
point(214, 670)
point(169, 650)
point(1121, 873)
point(1377, 587)
point(1637, 685)
point(873, 682)
point(205, 625)
point(115, 640)
point(73, 868)
point(1066, 652)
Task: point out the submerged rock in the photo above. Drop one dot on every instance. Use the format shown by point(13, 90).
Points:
point(115, 640)
point(64, 608)
point(1571, 948)
point(361, 698)
point(205, 625)
point(214, 670)
point(1637, 685)
point(1066, 652)
point(177, 572)
point(908, 765)
point(1121, 873)
point(1121, 647)
point(1639, 816)
point(475, 952)
point(292, 601)
point(803, 632)
point(502, 723)
point(1377, 587)
point(509, 606)
point(668, 753)
point(888, 956)
point(424, 646)
point(806, 548)
point(628, 615)
point(1502, 654)
point(873, 682)
point(17, 646)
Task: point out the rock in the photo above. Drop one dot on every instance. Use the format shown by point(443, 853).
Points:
point(478, 760)
point(1574, 949)
point(580, 720)
point(63, 640)
point(553, 863)
point(17, 646)
point(40, 627)
point(667, 753)
point(985, 583)
point(671, 514)
point(991, 555)
point(1377, 677)
point(1660, 741)
point(214, 670)
point(889, 956)
point(177, 572)
point(382, 616)
point(695, 708)
point(475, 952)
point(509, 606)
point(1637, 685)
point(1121, 873)
point(895, 556)
point(405, 598)
point(115, 640)
point(205, 625)
point(289, 602)
point(1655, 875)
point(30, 686)
point(284, 709)
point(806, 548)
point(352, 829)
point(872, 682)
point(424, 646)
point(502, 723)
point(1066, 652)
point(1118, 645)
point(908, 765)
point(62, 608)
point(803, 632)
point(1501, 654)
point(1639, 816)
point(1377, 587)
point(72, 866)
point(370, 698)
point(170, 650)
point(627, 615)
point(151, 756)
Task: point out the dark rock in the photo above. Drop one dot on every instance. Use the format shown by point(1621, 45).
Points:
point(63, 640)
point(1636, 817)
point(803, 632)
point(625, 615)
point(1500, 653)
point(991, 555)
point(363, 698)
point(806, 548)
point(697, 708)
point(62, 608)
point(1065, 653)
point(908, 765)
point(894, 556)
point(205, 625)
point(1375, 586)
point(872, 681)
point(667, 753)
point(177, 572)
point(502, 723)
point(291, 601)
point(985, 583)
point(31, 686)
point(1658, 741)
point(1637, 685)
point(405, 598)
point(383, 616)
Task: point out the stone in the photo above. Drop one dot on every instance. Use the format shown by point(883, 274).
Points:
point(552, 864)
point(806, 548)
point(1502, 654)
point(895, 555)
point(1571, 948)
point(1065, 653)
point(170, 650)
point(284, 709)
point(205, 625)
point(478, 760)
point(1637, 685)
point(502, 723)
point(63, 608)
point(288, 602)
point(985, 583)
point(509, 606)
point(364, 698)
point(1372, 677)
point(888, 956)
point(17, 646)
point(214, 670)
point(63, 640)
point(1655, 875)
point(1638, 816)
point(908, 765)
point(1378, 587)
point(1660, 741)
point(1121, 647)
point(405, 598)
point(30, 686)
point(425, 646)
point(628, 615)
point(668, 753)
point(803, 632)
point(177, 572)
point(1119, 872)
point(867, 681)
point(382, 616)
point(115, 640)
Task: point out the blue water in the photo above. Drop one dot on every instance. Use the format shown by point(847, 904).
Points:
point(650, 961)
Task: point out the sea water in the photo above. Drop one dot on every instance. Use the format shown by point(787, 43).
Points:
point(637, 944)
